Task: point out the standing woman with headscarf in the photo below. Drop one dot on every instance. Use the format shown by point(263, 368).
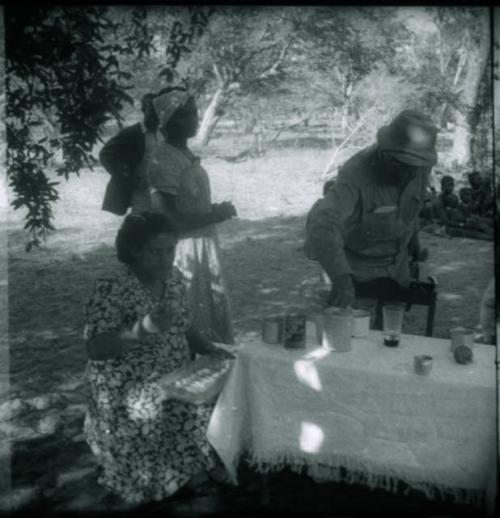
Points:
point(175, 184)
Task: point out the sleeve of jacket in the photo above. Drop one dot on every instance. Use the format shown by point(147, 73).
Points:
point(326, 229)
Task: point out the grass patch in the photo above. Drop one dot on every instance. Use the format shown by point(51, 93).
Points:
point(262, 256)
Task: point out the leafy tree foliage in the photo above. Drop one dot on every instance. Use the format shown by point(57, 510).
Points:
point(341, 47)
point(70, 72)
point(242, 53)
point(65, 71)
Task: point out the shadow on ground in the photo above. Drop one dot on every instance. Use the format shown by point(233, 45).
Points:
point(265, 268)
point(310, 142)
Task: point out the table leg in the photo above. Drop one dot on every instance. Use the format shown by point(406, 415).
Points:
point(431, 311)
point(265, 491)
point(378, 322)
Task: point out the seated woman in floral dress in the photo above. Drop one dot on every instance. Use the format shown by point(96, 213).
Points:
point(137, 328)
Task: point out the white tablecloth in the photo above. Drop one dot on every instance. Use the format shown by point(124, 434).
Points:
point(364, 410)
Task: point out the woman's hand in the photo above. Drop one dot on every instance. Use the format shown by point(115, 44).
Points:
point(230, 208)
point(219, 352)
point(199, 344)
point(342, 293)
point(225, 210)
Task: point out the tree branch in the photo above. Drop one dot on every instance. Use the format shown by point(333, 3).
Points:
point(345, 141)
point(244, 61)
point(235, 85)
point(293, 125)
point(272, 69)
point(462, 60)
point(218, 75)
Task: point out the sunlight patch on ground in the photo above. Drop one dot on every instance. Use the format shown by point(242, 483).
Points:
point(249, 336)
point(450, 297)
point(317, 354)
point(261, 237)
point(267, 291)
point(295, 242)
point(451, 267)
point(311, 437)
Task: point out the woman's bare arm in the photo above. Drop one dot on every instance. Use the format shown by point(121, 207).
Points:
point(166, 203)
point(201, 345)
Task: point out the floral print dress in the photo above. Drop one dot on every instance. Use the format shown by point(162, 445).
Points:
point(147, 448)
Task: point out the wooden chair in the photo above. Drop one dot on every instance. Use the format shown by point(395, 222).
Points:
point(386, 291)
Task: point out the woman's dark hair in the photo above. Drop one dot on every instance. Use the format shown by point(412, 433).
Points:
point(137, 230)
point(447, 179)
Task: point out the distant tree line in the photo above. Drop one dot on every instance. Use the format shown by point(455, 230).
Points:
point(70, 71)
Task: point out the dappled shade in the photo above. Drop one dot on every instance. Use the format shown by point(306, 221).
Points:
point(307, 374)
point(311, 437)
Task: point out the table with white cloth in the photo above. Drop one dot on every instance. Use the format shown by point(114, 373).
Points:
point(365, 413)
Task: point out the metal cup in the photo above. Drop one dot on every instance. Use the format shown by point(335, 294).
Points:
point(295, 331)
point(313, 331)
point(272, 330)
point(423, 364)
point(361, 323)
point(337, 329)
point(393, 322)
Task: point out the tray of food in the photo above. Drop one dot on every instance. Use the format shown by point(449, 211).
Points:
point(199, 382)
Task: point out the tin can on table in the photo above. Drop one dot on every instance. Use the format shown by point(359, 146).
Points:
point(423, 364)
point(272, 330)
point(295, 331)
point(337, 329)
point(360, 323)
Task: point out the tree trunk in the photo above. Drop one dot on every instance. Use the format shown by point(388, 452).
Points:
point(211, 117)
point(346, 108)
point(332, 123)
point(482, 127)
point(478, 58)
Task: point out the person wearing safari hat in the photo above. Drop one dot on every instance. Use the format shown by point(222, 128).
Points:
point(174, 183)
point(367, 225)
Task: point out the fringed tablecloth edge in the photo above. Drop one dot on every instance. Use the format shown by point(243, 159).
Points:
point(360, 473)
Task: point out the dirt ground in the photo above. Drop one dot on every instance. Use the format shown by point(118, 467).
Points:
point(264, 267)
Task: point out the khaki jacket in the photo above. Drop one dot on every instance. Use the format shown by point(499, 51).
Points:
point(363, 227)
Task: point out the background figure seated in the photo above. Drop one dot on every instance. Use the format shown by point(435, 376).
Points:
point(465, 205)
point(452, 209)
point(445, 200)
point(468, 215)
point(427, 213)
point(463, 221)
point(482, 197)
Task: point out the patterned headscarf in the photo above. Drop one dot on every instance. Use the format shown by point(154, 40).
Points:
point(166, 104)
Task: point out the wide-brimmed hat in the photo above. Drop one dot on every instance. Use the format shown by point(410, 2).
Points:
point(410, 138)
